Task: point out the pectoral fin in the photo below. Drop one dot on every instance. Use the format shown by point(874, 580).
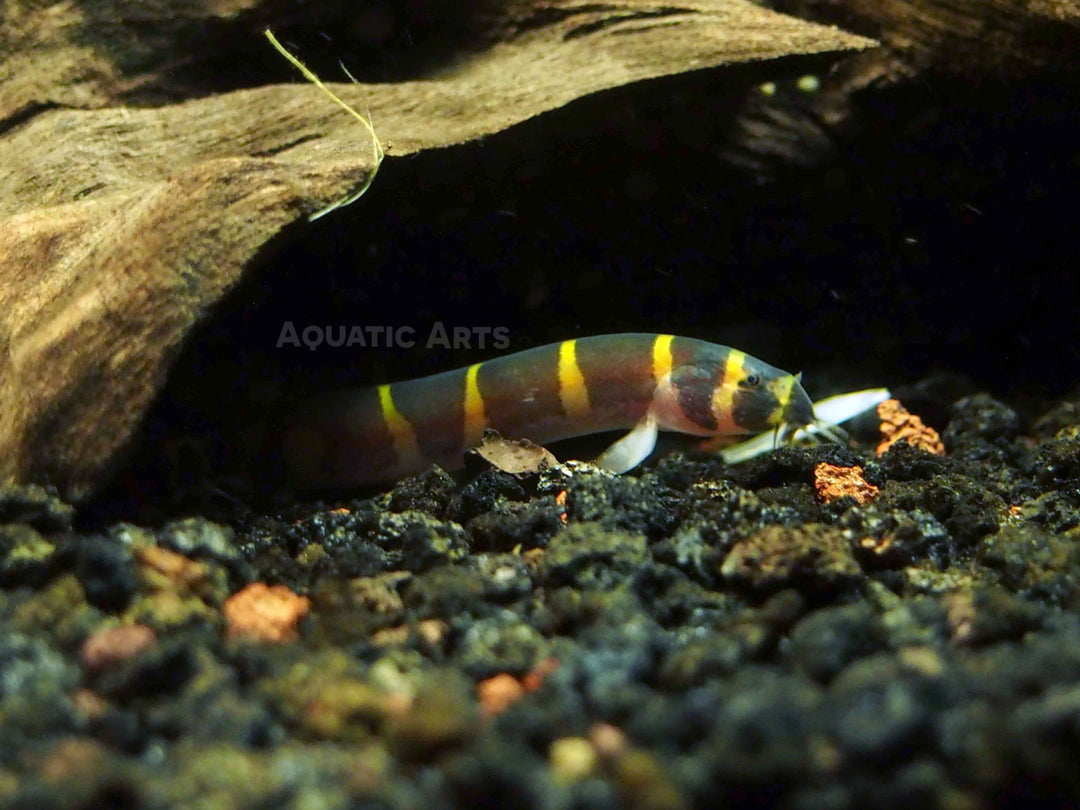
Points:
point(631, 449)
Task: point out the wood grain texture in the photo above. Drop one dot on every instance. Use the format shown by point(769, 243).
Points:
point(969, 38)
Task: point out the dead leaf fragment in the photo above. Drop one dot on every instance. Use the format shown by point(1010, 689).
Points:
point(517, 457)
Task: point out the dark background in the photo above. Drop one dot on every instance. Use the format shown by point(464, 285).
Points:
point(871, 237)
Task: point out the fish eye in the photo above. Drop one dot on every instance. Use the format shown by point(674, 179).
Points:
point(750, 381)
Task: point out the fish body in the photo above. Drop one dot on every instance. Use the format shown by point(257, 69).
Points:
point(641, 382)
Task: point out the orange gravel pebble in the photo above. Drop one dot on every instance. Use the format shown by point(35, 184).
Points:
point(897, 425)
point(832, 482)
point(499, 692)
point(264, 612)
point(560, 501)
point(114, 644)
point(535, 677)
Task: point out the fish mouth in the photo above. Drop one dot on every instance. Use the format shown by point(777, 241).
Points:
point(799, 410)
point(795, 410)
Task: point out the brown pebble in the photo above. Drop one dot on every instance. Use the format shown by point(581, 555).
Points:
point(783, 557)
point(110, 645)
point(432, 631)
point(379, 594)
point(922, 659)
point(90, 703)
point(265, 613)
point(960, 613)
point(533, 558)
point(158, 562)
point(73, 759)
point(608, 740)
point(390, 636)
point(643, 781)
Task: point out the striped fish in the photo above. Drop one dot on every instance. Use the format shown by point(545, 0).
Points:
point(641, 382)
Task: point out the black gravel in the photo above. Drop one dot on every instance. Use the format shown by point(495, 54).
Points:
point(692, 635)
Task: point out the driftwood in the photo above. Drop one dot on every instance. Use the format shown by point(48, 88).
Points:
point(976, 39)
point(121, 226)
